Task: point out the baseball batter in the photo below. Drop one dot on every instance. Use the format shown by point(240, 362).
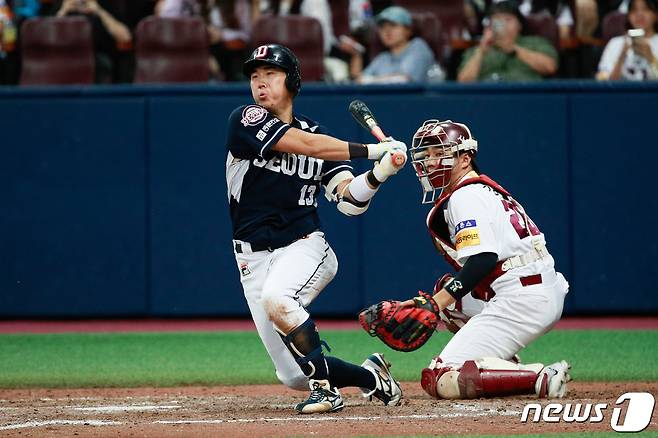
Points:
point(277, 160)
point(502, 261)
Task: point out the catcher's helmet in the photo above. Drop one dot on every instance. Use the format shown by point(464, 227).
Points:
point(279, 56)
point(433, 149)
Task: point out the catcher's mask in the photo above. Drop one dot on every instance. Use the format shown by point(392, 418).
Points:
point(434, 148)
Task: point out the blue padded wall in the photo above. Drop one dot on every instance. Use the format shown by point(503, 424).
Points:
point(113, 199)
point(73, 217)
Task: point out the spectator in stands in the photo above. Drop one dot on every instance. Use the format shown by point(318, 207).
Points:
point(560, 9)
point(406, 58)
point(633, 58)
point(109, 32)
point(504, 53)
point(229, 25)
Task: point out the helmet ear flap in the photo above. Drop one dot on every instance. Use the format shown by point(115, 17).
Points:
point(293, 82)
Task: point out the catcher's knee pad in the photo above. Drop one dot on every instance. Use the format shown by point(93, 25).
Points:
point(440, 381)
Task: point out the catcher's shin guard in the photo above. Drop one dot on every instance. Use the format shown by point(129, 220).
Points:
point(472, 381)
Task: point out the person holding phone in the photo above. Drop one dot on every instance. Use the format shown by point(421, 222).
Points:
point(111, 29)
point(505, 53)
point(633, 56)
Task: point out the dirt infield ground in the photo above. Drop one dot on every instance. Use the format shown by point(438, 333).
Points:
point(265, 411)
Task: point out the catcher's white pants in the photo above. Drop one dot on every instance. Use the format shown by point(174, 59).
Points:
point(508, 322)
point(278, 286)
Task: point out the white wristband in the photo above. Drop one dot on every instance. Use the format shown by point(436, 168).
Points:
point(375, 151)
point(360, 190)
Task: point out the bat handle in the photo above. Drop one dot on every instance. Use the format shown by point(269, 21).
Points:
point(377, 132)
point(398, 158)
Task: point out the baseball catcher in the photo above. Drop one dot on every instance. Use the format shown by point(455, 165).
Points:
point(505, 293)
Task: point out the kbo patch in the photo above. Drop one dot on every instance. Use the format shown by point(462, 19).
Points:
point(253, 115)
point(466, 234)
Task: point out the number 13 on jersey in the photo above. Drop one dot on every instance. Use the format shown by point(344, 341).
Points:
point(307, 196)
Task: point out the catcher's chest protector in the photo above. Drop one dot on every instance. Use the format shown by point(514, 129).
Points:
point(438, 228)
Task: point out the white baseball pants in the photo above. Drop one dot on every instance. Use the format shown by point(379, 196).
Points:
point(509, 322)
point(280, 284)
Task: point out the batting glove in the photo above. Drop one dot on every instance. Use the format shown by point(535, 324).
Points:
point(385, 167)
point(377, 150)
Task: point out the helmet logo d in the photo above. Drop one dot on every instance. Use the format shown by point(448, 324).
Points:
point(261, 52)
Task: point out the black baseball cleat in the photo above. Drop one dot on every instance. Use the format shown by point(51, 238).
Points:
point(388, 389)
point(323, 398)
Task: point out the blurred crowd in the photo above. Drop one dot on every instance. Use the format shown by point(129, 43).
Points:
point(362, 41)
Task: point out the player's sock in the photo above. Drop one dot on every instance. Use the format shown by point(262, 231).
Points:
point(306, 347)
point(346, 374)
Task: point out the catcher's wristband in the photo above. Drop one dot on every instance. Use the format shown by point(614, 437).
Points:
point(455, 288)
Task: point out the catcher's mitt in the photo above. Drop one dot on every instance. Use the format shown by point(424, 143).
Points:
point(402, 328)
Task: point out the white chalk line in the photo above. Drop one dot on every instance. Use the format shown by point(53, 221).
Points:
point(338, 418)
point(109, 409)
point(298, 418)
point(60, 422)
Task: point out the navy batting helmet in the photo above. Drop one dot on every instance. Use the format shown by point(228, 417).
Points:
point(279, 56)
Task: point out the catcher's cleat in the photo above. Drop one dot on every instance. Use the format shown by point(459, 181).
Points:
point(388, 389)
point(323, 398)
point(552, 380)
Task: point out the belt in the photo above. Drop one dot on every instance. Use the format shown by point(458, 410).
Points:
point(530, 280)
point(247, 248)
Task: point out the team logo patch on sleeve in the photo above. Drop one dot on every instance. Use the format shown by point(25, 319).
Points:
point(253, 115)
point(466, 234)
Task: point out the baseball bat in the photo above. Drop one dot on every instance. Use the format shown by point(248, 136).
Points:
point(366, 119)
